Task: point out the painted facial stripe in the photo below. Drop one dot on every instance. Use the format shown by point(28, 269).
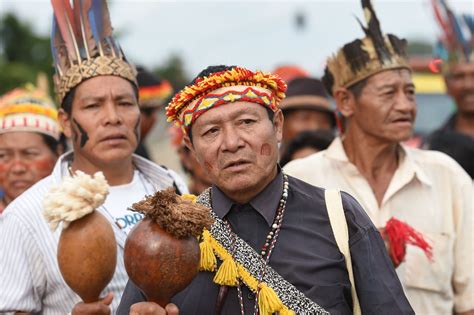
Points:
point(84, 135)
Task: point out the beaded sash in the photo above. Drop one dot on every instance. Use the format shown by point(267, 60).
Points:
point(252, 261)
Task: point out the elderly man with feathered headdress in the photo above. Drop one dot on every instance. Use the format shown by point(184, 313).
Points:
point(414, 197)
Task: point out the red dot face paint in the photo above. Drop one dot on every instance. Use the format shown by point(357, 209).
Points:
point(266, 149)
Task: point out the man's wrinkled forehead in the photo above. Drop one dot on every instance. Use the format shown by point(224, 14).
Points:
point(390, 78)
point(227, 112)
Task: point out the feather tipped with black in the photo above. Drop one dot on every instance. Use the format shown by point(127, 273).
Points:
point(374, 31)
point(358, 57)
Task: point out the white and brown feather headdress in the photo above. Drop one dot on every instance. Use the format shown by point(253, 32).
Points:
point(364, 57)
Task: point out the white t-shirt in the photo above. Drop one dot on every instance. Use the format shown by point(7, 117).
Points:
point(122, 196)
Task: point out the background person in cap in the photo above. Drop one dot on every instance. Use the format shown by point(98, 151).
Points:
point(456, 50)
point(371, 82)
point(98, 93)
point(29, 140)
point(306, 107)
point(274, 226)
point(153, 93)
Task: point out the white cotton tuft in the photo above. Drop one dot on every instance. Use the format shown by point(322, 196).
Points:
point(76, 197)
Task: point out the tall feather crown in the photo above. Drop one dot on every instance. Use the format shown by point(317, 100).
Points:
point(83, 46)
point(456, 44)
point(364, 57)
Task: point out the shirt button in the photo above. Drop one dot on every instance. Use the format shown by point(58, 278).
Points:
point(251, 296)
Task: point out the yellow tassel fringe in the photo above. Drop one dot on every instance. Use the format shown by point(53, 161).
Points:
point(230, 272)
point(268, 301)
point(208, 259)
point(227, 273)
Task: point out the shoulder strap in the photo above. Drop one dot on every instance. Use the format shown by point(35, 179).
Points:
point(250, 265)
point(338, 222)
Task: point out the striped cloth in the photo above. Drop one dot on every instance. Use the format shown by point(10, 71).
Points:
point(30, 279)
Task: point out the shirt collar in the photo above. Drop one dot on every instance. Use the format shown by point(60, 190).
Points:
point(408, 167)
point(265, 203)
point(336, 151)
point(159, 177)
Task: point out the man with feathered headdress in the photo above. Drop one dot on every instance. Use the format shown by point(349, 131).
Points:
point(423, 191)
point(273, 247)
point(97, 91)
point(456, 51)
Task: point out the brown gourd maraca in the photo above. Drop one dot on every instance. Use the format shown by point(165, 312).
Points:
point(162, 251)
point(87, 250)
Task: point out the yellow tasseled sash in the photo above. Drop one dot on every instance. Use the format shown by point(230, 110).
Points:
point(230, 272)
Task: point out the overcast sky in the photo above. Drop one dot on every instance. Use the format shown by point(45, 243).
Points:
point(256, 34)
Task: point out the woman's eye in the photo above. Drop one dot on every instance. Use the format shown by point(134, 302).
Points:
point(31, 153)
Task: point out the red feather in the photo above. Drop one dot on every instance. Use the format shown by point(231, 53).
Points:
point(444, 24)
point(399, 235)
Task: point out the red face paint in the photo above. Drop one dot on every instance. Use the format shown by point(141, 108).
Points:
point(266, 149)
point(208, 166)
point(32, 172)
point(43, 167)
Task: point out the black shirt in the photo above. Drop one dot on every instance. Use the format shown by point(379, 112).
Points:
point(306, 255)
point(457, 145)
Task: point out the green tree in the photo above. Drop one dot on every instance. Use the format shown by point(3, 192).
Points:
point(421, 48)
point(23, 54)
point(173, 71)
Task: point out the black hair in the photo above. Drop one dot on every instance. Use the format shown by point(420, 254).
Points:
point(328, 81)
point(69, 98)
point(51, 143)
point(210, 70)
point(357, 88)
point(148, 111)
point(317, 139)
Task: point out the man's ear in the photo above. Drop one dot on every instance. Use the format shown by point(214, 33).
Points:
point(345, 101)
point(65, 122)
point(278, 121)
point(188, 143)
